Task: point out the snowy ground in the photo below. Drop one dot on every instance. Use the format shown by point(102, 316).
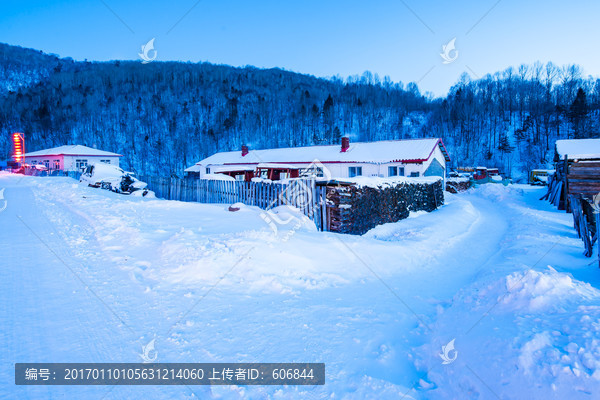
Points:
point(87, 275)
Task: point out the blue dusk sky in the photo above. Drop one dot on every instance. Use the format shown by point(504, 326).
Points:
point(402, 39)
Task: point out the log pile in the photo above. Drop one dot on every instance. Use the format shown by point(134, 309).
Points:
point(457, 185)
point(355, 210)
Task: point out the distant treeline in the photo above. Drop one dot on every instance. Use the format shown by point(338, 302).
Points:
point(164, 116)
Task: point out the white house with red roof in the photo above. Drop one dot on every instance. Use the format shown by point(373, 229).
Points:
point(412, 157)
point(71, 157)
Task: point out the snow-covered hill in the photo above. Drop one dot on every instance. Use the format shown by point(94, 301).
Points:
point(21, 68)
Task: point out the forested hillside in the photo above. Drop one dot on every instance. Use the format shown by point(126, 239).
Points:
point(164, 116)
point(512, 118)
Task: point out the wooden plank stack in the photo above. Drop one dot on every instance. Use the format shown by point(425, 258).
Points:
point(555, 192)
point(583, 178)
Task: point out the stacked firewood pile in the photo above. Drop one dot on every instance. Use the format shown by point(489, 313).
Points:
point(455, 185)
point(355, 210)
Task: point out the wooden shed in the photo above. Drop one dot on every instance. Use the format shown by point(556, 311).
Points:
point(575, 184)
point(577, 165)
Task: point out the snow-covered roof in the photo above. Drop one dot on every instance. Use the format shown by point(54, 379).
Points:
point(374, 181)
point(412, 150)
point(72, 150)
point(230, 169)
point(580, 149)
point(219, 177)
point(276, 166)
point(194, 168)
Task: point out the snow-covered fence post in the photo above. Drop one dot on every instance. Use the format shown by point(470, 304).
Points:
point(597, 215)
point(565, 182)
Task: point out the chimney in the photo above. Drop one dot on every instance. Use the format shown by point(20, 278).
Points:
point(345, 144)
point(244, 150)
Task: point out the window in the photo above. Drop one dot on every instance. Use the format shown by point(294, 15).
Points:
point(105, 161)
point(81, 164)
point(46, 163)
point(312, 170)
point(55, 164)
point(208, 170)
point(392, 171)
point(414, 174)
point(400, 171)
point(354, 171)
point(34, 162)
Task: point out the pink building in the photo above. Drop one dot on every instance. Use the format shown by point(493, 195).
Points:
point(70, 157)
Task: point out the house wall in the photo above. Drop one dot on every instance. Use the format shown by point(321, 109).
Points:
point(341, 169)
point(50, 160)
point(434, 169)
point(409, 168)
point(69, 163)
point(439, 156)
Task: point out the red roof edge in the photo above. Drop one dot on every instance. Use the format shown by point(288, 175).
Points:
point(440, 143)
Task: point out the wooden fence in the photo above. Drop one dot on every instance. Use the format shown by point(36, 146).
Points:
point(300, 193)
point(584, 221)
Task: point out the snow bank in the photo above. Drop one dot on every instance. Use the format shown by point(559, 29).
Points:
point(458, 179)
point(146, 194)
point(496, 192)
point(376, 182)
point(218, 177)
point(431, 233)
point(235, 207)
point(376, 308)
point(530, 326)
point(194, 245)
point(290, 217)
point(533, 291)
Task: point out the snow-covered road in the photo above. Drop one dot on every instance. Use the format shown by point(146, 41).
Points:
point(91, 276)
